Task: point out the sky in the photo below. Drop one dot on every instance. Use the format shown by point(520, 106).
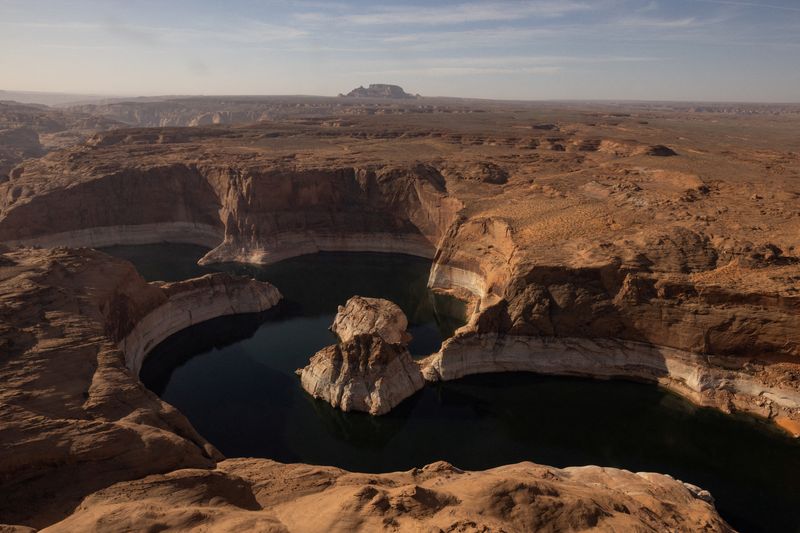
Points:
point(711, 50)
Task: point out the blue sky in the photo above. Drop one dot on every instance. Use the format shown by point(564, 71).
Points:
point(537, 49)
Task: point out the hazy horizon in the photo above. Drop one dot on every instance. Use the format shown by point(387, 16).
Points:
point(613, 50)
point(69, 99)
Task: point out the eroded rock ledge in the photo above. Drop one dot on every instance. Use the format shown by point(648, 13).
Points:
point(727, 337)
point(191, 302)
point(73, 416)
point(723, 384)
point(370, 369)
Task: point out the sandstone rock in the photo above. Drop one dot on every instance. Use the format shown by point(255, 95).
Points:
point(486, 172)
point(374, 316)
point(370, 369)
point(73, 418)
point(364, 373)
point(258, 494)
point(87, 448)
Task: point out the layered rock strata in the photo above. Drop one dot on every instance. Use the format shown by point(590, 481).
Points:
point(256, 215)
point(73, 416)
point(723, 385)
point(370, 369)
point(729, 348)
point(192, 302)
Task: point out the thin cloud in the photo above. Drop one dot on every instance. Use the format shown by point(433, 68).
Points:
point(468, 66)
point(751, 4)
point(481, 38)
point(532, 60)
point(457, 14)
point(252, 32)
point(641, 22)
point(459, 71)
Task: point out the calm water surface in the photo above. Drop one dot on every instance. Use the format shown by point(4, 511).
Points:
point(233, 377)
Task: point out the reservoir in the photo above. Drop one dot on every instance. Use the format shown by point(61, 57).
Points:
point(233, 377)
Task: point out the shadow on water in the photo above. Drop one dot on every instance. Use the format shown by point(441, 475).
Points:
point(233, 377)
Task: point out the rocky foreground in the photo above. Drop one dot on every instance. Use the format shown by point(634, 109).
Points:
point(261, 495)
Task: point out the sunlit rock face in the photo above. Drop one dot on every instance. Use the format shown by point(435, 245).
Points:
point(371, 315)
point(370, 369)
point(264, 495)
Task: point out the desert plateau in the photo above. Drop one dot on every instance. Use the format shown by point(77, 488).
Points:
point(392, 311)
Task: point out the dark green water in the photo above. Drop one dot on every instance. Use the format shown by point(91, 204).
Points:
point(233, 377)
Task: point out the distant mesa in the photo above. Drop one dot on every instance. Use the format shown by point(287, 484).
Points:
point(380, 90)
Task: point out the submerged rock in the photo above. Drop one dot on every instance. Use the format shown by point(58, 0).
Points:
point(371, 369)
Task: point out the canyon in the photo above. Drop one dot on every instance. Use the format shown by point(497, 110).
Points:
point(604, 243)
point(650, 245)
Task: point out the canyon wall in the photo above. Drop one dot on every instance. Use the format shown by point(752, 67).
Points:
point(723, 384)
point(733, 347)
point(192, 302)
point(260, 215)
point(276, 214)
point(73, 417)
point(131, 206)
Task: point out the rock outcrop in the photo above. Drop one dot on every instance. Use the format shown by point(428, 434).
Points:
point(364, 373)
point(262, 495)
point(370, 369)
point(372, 316)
